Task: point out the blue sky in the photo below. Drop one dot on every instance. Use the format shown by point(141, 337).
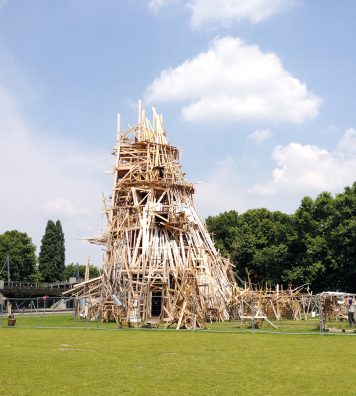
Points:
point(259, 94)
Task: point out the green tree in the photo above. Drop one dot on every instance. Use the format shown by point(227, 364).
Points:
point(261, 245)
point(61, 245)
point(315, 245)
point(342, 239)
point(223, 228)
point(21, 251)
point(52, 254)
point(71, 270)
point(312, 253)
point(324, 247)
point(256, 241)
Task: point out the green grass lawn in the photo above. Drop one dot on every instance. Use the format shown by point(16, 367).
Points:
point(55, 320)
point(67, 320)
point(81, 361)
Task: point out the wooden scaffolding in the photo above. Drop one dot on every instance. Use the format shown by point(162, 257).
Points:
point(160, 260)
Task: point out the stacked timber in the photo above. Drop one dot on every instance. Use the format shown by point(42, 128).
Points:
point(160, 260)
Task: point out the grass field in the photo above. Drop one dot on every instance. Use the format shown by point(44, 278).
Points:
point(78, 361)
point(67, 320)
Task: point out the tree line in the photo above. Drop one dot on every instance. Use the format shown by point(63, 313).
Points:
point(315, 245)
point(19, 253)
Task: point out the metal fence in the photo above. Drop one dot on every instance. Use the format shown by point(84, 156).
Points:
point(316, 315)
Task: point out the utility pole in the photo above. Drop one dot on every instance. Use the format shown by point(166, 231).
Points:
point(87, 270)
point(8, 268)
point(77, 272)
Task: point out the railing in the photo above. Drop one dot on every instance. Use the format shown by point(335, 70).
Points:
point(24, 285)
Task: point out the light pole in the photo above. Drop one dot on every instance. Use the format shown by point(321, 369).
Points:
point(8, 268)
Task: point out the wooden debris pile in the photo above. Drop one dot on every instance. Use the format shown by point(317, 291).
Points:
point(160, 260)
point(277, 304)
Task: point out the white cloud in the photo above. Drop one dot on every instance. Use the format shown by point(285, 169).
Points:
point(300, 170)
point(61, 206)
point(44, 178)
point(348, 142)
point(226, 12)
point(227, 186)
point(308, 169)
point(259, 136)
point(155, 5)
point(235, 81)
point(222, 190)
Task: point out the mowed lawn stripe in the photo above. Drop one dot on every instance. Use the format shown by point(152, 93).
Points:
point(88, 362)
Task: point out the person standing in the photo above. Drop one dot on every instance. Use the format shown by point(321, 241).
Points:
point(351, 311)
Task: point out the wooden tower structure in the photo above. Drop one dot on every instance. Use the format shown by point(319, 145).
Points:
point(160, 260)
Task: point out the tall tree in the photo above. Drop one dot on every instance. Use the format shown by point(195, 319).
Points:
point(342, 239)
point(21, 251)
point(310, 248)
point(224, 228)
point(256, 241)
point(52, 254)
point(61, 245)
point(261, 245)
